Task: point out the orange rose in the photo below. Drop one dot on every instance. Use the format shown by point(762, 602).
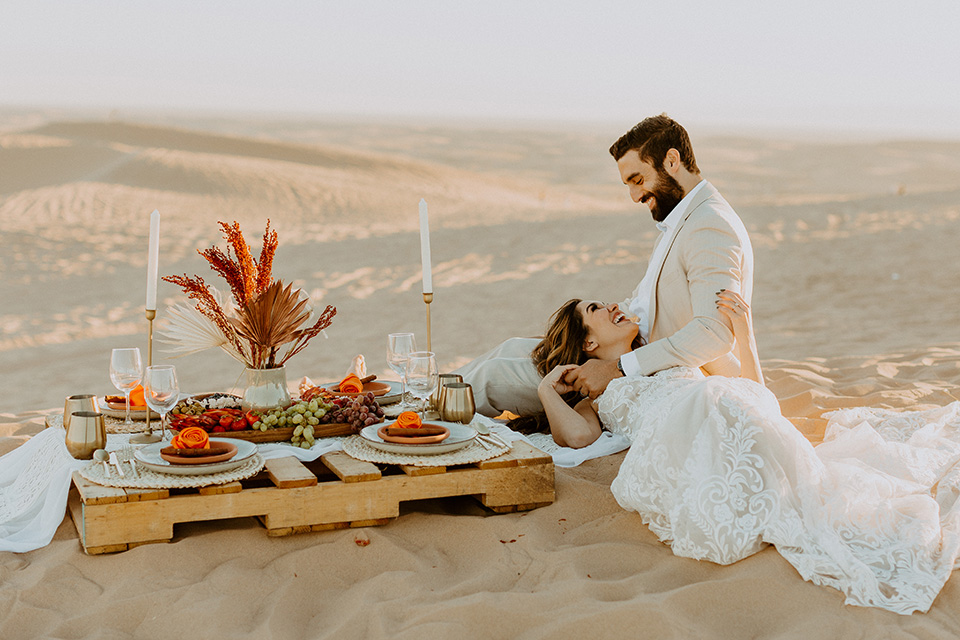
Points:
point(351, 384)
point(408, 420)
point(191, 438)
point(136, 397)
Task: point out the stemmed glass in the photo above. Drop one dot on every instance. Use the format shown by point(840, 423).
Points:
point(399, 348)
point(126, 370)
point(422, 375)
point(161, 390)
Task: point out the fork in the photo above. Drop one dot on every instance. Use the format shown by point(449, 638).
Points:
point(126, 454)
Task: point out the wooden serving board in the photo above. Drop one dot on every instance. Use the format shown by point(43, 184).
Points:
point(283, 434)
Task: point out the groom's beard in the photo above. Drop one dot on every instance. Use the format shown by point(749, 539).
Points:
point(667, 195)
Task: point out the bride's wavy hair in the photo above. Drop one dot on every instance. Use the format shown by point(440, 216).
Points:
point(564, 340)
point(562, 343)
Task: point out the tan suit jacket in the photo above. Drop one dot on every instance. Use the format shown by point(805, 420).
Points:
point(709, 251)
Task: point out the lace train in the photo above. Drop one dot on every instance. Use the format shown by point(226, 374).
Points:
point(717, 472)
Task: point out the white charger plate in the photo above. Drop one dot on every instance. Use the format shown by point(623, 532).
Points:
point(149, 457)
point(460, 437)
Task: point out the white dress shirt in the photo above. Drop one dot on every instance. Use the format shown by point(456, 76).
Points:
point(638, 304)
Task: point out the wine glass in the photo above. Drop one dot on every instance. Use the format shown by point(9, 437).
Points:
point(399, 347)
point(161, 390)
point(126, 370)
point(422, 375)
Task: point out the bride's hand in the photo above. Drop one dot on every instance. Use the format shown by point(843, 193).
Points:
point(732, 305)
point(554, 379)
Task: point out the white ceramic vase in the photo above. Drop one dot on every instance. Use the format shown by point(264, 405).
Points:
point(266, 389)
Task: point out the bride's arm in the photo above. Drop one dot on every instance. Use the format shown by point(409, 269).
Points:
point(574, 427)
point(736, 308)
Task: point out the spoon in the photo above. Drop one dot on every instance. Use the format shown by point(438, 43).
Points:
point(100, 455)
point(484, 430)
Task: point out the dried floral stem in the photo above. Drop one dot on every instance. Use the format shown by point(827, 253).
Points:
point(265, 263)
point(324, 321)
point(269, 315)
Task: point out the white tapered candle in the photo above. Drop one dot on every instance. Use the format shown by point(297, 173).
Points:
point(153, 260)
point(425, 248)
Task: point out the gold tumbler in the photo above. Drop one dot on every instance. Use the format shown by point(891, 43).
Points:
point(436, 399)
point(458, 404)
point(86, 434)
point(81, 402)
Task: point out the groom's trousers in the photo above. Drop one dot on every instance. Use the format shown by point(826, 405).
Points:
point(505, 379)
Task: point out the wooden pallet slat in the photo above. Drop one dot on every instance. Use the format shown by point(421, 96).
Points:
point(230, 487)
point(93, 493)
point(411, 470)
point(289, 472)
point(350, 469)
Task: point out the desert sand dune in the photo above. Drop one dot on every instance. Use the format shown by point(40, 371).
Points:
point(855, 305)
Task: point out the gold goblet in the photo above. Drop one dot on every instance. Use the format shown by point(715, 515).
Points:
point(458, 403)
point(86, 434)
point(80, 402)
point(436, 400)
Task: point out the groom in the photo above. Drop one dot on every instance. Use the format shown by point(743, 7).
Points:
point(703, 248)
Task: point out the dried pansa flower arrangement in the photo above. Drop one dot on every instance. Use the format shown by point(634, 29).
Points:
point(267, 315)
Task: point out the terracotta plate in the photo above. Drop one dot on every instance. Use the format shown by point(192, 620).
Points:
point(119, 410)
point(203, 459)
point(440, 437)
point(378, 389)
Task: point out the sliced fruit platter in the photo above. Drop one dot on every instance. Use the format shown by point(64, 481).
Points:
point(317, 414)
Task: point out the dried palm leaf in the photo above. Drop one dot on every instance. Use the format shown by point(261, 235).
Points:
point(271, 320)
point(189, 331)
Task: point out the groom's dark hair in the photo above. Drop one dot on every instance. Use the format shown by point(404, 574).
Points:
point(652, 138)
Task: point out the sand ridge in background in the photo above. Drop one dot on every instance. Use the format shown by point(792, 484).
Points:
point(854, 305)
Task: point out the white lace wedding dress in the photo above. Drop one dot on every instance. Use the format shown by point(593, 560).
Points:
point(717, 473)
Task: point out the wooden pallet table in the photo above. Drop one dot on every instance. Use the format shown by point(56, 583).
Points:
point(292, 497)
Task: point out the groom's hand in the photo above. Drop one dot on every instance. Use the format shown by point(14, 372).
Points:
point(592, 377)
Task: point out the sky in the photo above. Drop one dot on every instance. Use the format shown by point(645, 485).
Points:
point(879, 66)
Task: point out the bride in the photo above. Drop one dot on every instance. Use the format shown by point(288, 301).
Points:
point(718, 473)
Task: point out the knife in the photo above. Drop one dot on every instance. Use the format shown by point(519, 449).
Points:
point(115, 461)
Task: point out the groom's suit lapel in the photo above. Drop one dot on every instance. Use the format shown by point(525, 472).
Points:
point(705, 192)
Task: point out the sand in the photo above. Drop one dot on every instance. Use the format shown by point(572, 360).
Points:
point(855, 244)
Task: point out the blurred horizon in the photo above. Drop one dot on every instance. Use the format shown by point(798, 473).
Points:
point(879, 70)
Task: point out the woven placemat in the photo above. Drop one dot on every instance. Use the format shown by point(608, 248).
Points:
point(153, 480)
point(114, 425)
point(357, 447)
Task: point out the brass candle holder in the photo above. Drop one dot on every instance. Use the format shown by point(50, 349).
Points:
point(149, 437)
point(428, 298)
